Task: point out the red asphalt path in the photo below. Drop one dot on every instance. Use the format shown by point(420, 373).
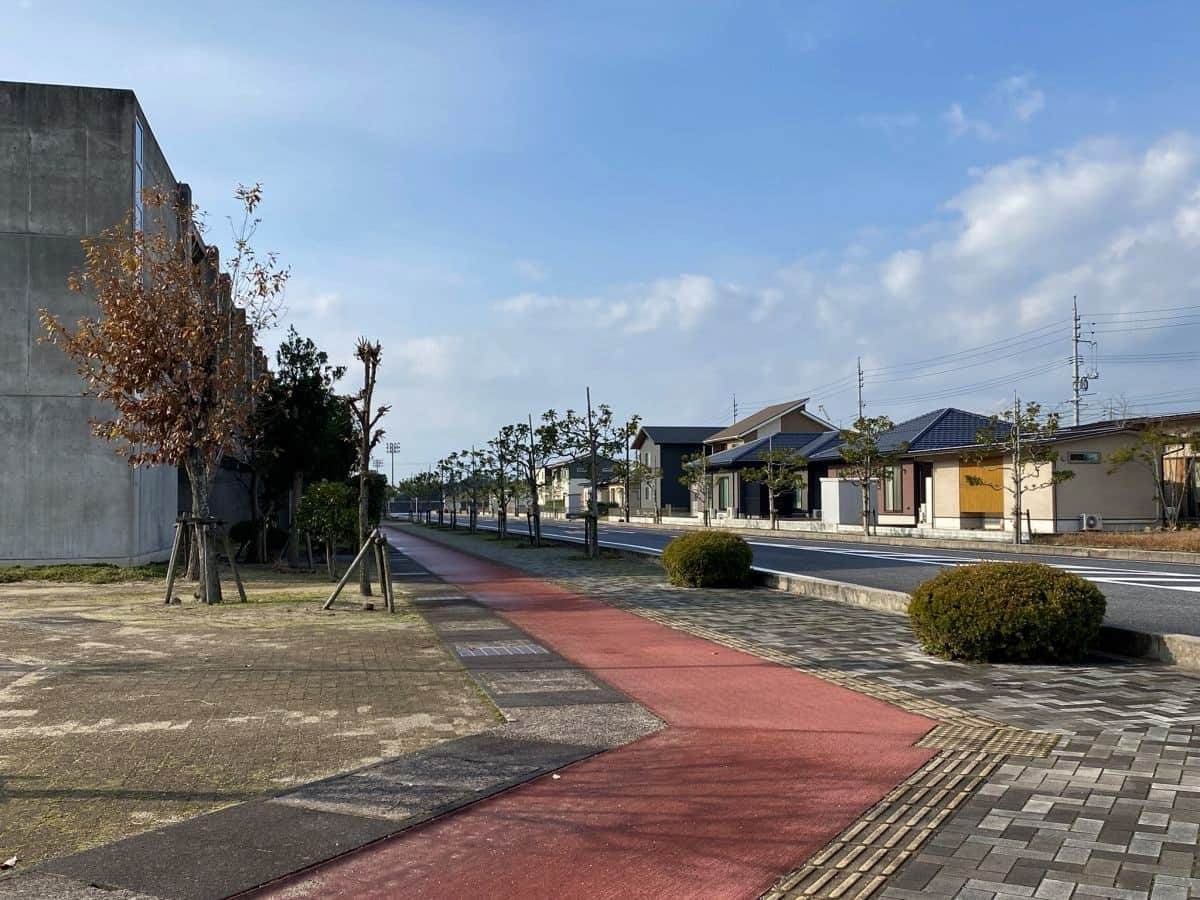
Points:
point(759, 767)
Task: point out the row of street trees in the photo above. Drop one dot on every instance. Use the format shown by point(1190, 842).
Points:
point(511, 463)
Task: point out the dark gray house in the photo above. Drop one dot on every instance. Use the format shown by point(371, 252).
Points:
point(739, 498)
point(72, 162)
point(664, 447)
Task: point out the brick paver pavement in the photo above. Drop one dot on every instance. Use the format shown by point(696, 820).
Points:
point(1055, 781)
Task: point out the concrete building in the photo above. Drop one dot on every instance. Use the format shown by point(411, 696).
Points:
point(72, 162)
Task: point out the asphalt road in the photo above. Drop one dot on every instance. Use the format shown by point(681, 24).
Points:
point(1163, 598)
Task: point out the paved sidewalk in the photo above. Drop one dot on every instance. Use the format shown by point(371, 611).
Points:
point(1084, 781)
point(759, 767)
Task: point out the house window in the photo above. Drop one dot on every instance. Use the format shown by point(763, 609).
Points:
point(1090, 457)
point(722, 493)
point(892, 484)
point(138, 158)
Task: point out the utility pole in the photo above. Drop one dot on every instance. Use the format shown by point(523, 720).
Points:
point(1075, 391)
point(860, 387)
point(735, 408)
point(1079, 382)
point(1017, 473)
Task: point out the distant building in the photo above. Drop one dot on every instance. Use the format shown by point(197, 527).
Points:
point(662, 449)
point(72, 163)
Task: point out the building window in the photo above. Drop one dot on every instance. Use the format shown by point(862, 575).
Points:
point(722, 493)
point(138, 159)
point(892, 484)
point(1083, 456)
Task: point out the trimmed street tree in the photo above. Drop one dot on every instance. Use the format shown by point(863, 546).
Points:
point(863, 462)
point(1150, 451)
point(597, 436)
point(365, 422)
point(171, 349)
point(533, 447)
point(783, 471)
point(1026, 436)
point(501, 465)
point(635, 474)
point(697, 479)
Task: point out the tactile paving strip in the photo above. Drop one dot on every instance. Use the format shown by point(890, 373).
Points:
point(859, 861)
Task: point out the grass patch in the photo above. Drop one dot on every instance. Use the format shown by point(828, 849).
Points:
point(1186, 541)
point(99, 573)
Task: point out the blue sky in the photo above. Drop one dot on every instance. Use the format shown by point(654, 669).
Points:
point(674, 203)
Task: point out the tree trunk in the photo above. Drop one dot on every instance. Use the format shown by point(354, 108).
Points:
point(364, 571)
point(297, 492)
point(210, 583)
point(329, 560)
point(252, 554)
point(866, 508)
point(535, 514)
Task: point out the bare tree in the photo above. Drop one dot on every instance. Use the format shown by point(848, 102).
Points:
point(369, 436)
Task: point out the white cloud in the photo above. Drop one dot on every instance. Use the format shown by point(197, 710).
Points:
point(1011, 103)
point(531, 270)
point(960, 124)
point(1025, 100)
point(901, 272)
point(680, 302)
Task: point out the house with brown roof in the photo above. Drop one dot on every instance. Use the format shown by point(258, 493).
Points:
point(740, 446)
point(790, 417)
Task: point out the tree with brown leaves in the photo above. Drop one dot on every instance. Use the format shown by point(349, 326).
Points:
point(171, 349)
point(369, 436)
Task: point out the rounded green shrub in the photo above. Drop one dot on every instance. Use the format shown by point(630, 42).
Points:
point(1006, 612)
point(708, 559)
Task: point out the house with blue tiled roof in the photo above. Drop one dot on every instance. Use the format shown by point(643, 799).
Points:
point(944, 483)
point(905, 498)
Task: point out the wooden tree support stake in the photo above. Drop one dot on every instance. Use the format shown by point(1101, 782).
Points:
point(237, 578)
point(367, 545)
point(385, 572)
point(178, 540)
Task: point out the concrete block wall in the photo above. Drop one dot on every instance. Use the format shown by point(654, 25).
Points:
point(66, 171)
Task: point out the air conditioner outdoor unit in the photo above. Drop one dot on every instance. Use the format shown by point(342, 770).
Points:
point(1091, 522)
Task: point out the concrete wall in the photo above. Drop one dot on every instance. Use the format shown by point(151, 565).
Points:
point(66, 171)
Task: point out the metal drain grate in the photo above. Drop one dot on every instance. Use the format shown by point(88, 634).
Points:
point(499, 648)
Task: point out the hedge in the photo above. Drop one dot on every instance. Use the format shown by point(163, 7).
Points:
point(1007, 612)
point(708, 559)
